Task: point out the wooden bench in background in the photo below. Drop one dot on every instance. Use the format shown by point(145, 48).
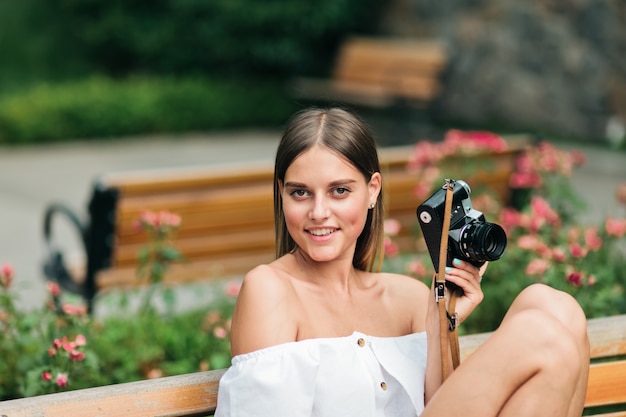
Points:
point(227, 223)
point(196, 394)
point(379, 73)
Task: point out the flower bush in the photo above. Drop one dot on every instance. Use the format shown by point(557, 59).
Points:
point(155, 258)
point(545, 244)
point(60, 347)
point(42, 351)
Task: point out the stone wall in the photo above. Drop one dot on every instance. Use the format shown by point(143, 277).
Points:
point(553, 66)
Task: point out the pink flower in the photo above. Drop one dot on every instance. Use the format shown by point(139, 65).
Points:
point(154, 373)
point(529, 242)
point(541, 208)
point(54, 289)
point(473, 141)
point(169, 219)
point(615, 227)
point(592, 239)
point(157, 222)
point(6, 275)
point(575, 278)
point(52, 351)
point(69, 346)
point(61, 380)
point(537, 267)
point(525, 180)
point(417, 269)
point(392, 227)
point(425, 153)
point(391, 248)
point(80, 340)
point(232, 289)
point(220, 332)
point(46, 376)
point(559, 255)
point(57, 343)
point(74, 310)
point(77, 356)
point(578, 251)
point(510, 218)
point(427, 177)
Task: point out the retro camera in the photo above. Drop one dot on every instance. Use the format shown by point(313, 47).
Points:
point(471, 238)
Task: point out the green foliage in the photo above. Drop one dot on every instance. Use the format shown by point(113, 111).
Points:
point(90, 69)
point(221, 36)
point(104, 107)
point(58, 39)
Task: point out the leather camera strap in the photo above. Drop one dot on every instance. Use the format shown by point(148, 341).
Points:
point(448, 335)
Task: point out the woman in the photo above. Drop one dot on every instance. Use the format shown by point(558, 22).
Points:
point(318, 333)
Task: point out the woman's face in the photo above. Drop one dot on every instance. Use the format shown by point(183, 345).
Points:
point(325, 202)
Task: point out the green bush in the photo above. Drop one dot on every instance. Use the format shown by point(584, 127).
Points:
point(103, 107)
point(57, 39)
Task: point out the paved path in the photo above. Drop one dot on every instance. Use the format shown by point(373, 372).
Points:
point(31, 178)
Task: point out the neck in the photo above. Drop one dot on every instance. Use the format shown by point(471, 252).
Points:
point(337, 275)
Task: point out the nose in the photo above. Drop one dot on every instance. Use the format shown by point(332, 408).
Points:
point(320, 209)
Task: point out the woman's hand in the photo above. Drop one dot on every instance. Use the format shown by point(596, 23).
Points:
point(467, 277)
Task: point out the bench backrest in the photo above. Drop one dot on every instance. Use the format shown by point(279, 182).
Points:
point(408, 69)
point(196, 394)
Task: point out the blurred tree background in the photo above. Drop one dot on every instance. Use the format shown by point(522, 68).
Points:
point(94, 68)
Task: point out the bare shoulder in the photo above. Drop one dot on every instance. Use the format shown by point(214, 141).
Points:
point(264, 314)
point(400, 285)
point(409, 297)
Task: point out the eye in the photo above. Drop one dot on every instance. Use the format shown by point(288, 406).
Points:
point(299, 193)
point(341, 191)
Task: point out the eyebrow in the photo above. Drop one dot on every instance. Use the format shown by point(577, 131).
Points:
point(337, 183)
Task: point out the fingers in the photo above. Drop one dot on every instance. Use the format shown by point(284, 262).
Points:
point(467, 277)
point(464, 274)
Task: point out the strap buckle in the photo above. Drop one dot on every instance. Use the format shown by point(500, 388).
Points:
point(440, 291)
point(453, 321)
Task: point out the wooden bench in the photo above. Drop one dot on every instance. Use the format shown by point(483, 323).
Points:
point(379, 73)
point(227, 223)
point(196, 394)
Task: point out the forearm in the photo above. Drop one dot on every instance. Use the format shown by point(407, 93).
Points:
point(434, 372)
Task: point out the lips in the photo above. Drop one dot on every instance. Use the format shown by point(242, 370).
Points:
point(322, 231)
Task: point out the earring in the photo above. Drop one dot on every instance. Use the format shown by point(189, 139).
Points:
point(372, 205)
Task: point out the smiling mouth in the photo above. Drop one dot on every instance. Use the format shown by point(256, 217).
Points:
point(321, 232)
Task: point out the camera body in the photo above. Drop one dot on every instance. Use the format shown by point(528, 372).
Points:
point(470, 238)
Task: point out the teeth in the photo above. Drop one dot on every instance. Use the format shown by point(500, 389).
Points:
point(321, 232)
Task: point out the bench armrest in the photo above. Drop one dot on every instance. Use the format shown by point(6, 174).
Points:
point(54, 267)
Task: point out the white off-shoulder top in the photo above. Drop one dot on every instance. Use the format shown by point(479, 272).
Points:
point(356, 375)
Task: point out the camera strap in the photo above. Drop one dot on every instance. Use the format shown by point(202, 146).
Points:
point(448, 335)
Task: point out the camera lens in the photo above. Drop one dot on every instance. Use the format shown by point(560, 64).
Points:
point(483, 241)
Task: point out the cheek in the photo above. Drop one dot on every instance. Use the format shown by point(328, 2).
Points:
point(294, 214)
point(355, 215)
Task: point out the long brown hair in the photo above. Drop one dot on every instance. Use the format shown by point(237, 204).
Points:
point(346, 134)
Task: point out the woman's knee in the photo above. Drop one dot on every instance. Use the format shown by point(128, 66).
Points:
point(557, 303)
point(549, 344)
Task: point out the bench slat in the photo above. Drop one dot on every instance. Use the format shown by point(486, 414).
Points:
point(607, 384)
point(182, 395)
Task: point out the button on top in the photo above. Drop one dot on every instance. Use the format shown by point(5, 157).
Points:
point(383, 386)
point(361, 342)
